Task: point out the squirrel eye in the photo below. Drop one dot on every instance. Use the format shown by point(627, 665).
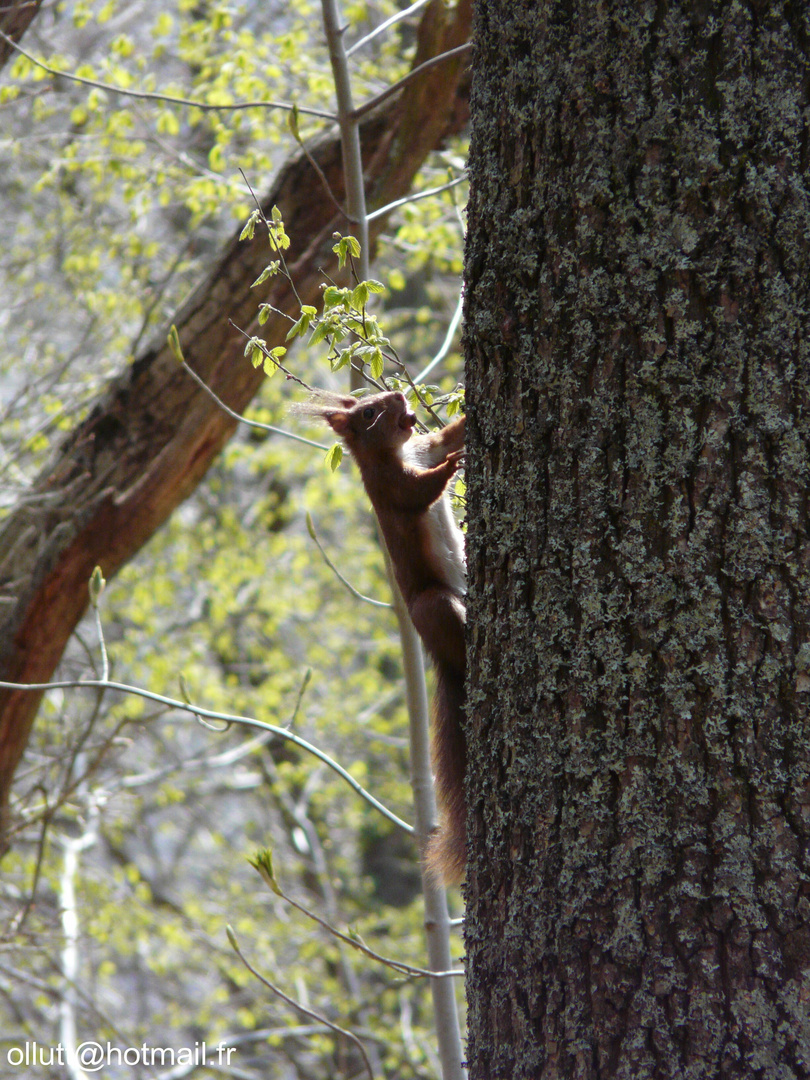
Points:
point(368, 412)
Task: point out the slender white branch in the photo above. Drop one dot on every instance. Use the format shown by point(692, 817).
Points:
point(73, 846)
point(226, 718)
point(437, 916)
point(385, 25)
point(448, 341)
point(437, 925)
point(415, 198)
point(349, 129)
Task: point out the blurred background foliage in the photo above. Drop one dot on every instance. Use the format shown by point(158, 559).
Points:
point(113, 207)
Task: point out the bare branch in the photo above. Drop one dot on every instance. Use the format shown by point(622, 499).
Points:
point(227, 718)
point(372, 103)
point(385, 25)
point(297, 1004)
point(426, 194)
point(154, 95)
point(337, 573)
point(397, 965)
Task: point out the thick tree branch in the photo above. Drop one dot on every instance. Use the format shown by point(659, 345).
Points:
point(15, 18)
point(154, 432)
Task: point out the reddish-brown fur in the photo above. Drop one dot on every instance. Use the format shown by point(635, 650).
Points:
point(405, 476)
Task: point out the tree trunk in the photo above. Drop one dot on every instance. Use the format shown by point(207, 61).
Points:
point(152, 435)
point(638, 319)
point(15, 18)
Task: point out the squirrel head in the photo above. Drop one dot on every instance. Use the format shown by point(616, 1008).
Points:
point(376, 422)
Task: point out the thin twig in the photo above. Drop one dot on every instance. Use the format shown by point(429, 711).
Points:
point(372, 103)
point(385, 25)
point(271, 238)
point(19, 920)
point(448, 340)
point(322, 177)
point(415, 198)
point(70, 788)
point(337, 573)
point(297, 1004)
point(266, 353)
point(244, 420)
point(355, 943)
point(151, 95)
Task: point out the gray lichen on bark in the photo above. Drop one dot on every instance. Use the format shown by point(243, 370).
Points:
point(638, 276)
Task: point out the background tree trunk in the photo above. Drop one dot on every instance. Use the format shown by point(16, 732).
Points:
point(638, 318)
point(15, 18)
point(152, 435)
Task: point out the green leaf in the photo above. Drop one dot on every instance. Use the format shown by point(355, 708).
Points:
point(269, 271)
point(263, 862)
point(254, 343)
point(333, 297)
point(308, 313)
point(319, 333)
point(278, 237)
point(250, 228)
point(174, 344)
point(97, 583)
point(360, 296)
point(377, 363)
point(345, 246)
point(296, 329)
point(292, 121)
point(334, 456)
point(271, 360)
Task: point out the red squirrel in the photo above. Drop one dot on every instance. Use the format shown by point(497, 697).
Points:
point(406, 477)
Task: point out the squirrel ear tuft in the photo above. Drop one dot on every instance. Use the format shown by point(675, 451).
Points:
point(338, 421)
point(322, 403)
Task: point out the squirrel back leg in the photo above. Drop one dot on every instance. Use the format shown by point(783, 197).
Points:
point(439, 616)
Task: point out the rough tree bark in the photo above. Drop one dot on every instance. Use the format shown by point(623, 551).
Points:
point(638, 385)
point(15, 18)
point(153, 433)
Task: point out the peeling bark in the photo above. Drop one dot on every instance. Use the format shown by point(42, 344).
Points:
point(153, 433)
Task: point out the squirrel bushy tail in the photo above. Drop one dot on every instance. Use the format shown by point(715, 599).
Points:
point(406, 478)
point(447, 847)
